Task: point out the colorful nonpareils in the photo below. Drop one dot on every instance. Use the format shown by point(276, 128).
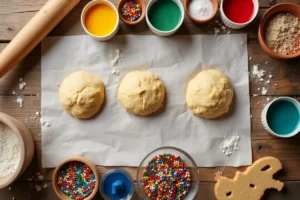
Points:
point(76, 180)
point(166, 177)
point(131, 11)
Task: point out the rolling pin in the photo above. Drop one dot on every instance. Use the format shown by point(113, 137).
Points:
point(33, 32)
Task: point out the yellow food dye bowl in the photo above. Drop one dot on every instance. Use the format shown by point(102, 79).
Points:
point(100, 20)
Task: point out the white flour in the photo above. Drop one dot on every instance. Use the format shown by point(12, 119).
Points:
point(9, 151)
point(230, 144)
point(258, 73)
point(201, 9)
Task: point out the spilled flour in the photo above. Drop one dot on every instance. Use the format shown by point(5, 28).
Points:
point(10, 151)
point(230, 144)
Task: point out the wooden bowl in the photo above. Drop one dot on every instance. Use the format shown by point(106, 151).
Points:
point(198, 21)
point(282, 7)
point(56, 187)
point(120, 6)
point(26, 146)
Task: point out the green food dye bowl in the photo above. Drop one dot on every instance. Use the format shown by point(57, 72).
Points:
point(281, 117)
point(164, 17)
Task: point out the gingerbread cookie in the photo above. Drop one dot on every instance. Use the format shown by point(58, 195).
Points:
point(252, 183)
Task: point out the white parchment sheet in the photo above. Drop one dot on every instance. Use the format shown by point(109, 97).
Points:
point(117, 138)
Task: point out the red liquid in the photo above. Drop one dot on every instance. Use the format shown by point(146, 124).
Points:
point(238, 11)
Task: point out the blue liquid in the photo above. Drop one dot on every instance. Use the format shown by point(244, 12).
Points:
point(283, 117)
point(110, 179)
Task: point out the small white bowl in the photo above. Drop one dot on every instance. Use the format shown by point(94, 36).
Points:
point(110, 35)
point(264, 117)
point(234, 25)
point(159, 32)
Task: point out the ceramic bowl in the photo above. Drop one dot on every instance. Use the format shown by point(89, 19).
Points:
point(282, 7)
point(264, 117)
point(198, 21)
point(164, 33)
point(101, 185)
point(56, 187)
point(84, 11)
point(26, 145)
point(120, 6)
point(235, 25)
point(177, 152)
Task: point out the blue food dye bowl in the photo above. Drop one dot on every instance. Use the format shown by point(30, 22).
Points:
point(281, 117)
point(117, 185)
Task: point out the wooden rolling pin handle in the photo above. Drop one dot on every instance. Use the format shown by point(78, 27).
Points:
point(33, 32)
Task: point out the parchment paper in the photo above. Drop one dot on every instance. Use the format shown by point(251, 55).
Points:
point(117, 138)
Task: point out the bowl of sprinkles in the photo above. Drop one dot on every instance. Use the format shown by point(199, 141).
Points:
point(75, 178)
point(131, 11)
point(168, 173)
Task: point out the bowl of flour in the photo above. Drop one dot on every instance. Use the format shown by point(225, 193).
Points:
point(16, 149)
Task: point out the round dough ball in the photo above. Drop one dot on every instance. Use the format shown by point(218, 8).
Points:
point(141, 93)
point(209, 94)
point(81, 94)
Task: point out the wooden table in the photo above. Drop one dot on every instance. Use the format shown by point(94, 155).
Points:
point(14, 14)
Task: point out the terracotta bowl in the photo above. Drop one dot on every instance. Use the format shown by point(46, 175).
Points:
point(27, 147)
point(198, 21)
point(121, 4)
point(283, 7)
point(56, 187)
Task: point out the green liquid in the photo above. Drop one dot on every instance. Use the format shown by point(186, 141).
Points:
point(164, 15)
point(283, 117)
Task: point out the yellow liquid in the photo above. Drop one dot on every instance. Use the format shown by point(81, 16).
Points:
point(100, 19)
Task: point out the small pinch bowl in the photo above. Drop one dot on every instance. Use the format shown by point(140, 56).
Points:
point(186, 5)
point(177, 152)
point(56, 187)
point(116, 28)
point(143, 6)
point(292, 8)
point(26, 147)
point(234, 25)
point(264, 120)
point(164, 33)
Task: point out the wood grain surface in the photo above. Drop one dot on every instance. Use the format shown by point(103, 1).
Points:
point(285, 81)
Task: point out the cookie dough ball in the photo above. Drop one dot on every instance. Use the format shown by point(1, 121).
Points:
point(209, 94)
point(141, 93)
point(81, 94)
